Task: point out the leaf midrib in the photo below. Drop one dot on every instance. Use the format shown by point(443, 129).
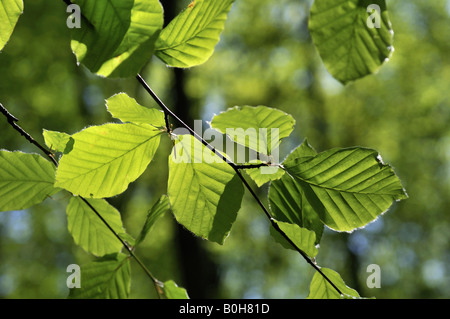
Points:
point(295, 177)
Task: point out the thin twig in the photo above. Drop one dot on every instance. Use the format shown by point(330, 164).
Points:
point(238, 172)
point(12, 121)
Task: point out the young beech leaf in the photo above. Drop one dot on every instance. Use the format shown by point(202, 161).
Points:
point(303, 238)
point(105, 159)
point(58, 141)
point(190, 38)
point(158, 209)
point(126, 109)
point(172, 291)
point(205, 193)
point(352, 39)
point(264, 174)
point(287, 200)
point(347, 188)
point(10, 11)
point(320, 288)
point(88, 230)
point(108, 277)
point(260, 128)
point(120, 38)
point(25, 180)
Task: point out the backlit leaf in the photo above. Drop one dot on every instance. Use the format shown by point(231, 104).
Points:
point(351, 47)
point(205, 193)
point(58, 141)
point(190, 38)
point(10, 11)
point(106, 278)
point(303, 238)
point(320, 288)
point(106, 158)
point(158, 209)
point(89, 231)
point(172, 291)
point(126, 109)
point(257, 127)
point(287, 200)
point(348, 188)
point(120, 38)
point(25, 180)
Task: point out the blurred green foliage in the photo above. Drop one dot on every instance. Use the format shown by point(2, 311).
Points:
point(265, 57)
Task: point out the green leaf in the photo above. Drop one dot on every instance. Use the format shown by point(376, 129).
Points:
point(289, 204)
point(264, 174)
point(25, 180)
point(88, 230)
point(121, 37)
point(106, 278)
point(190, 38)
point(348, 188)
point(106, 158)
point(304, 150)
point(172, 291)
point(349, 48)
point(303, 238)
point(58, 141)
point(287, 200)
point(320, 288)
point(126, 109)
point(158, 209)
point(10, 11)
point(205, 193)
point(255, 127)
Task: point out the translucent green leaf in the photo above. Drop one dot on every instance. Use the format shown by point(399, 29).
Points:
point(288, 204)
point(264, 174)
point(25, 180)
point(190, 38)
point(303, 238)
point(88, 230)
point(121, 37)
point(348, 188)
point(106, 158)
point(320, 288)
point(158, 209)
point(350, 46)
point(172, 291)
point(205, 193)
point(58, 141)
point(287, 200)
point(126, 109)
point(10, 11)
point(257, 127)
point(106, 278)
point(304, 150)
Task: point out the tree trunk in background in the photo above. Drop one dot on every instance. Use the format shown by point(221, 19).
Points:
point(198, 271)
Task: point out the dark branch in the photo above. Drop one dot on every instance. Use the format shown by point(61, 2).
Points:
point(12, 121)
point(248, 166)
